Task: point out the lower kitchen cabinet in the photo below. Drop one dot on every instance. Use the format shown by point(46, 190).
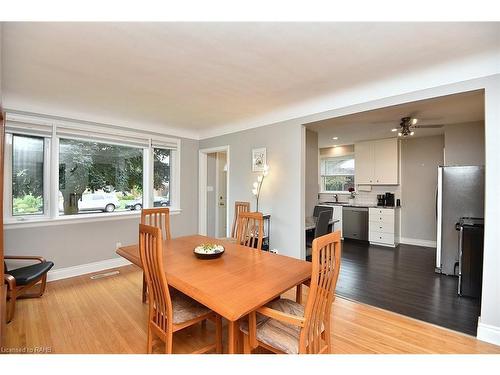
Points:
point(337, 215)
point(383, 226)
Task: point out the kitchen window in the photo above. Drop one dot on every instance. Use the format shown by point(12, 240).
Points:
point(72, 170)
point(337, 174)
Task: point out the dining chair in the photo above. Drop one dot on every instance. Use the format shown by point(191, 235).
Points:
point(160, 218)
point(250, 229)
point(321, 229)
point(20, 280)
point(239, 207)
point(285, 326)
point(169, 312)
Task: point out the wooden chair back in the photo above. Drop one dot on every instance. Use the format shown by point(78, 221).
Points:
point(157, 217)
point(326, 253)
point(238, 208)
point(160, 304)
point(250, 229)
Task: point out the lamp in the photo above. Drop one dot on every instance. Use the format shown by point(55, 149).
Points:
point(257, 185)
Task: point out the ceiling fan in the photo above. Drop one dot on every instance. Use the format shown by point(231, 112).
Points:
point(407, 125)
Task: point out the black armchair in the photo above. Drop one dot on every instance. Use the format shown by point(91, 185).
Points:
point(20, 280)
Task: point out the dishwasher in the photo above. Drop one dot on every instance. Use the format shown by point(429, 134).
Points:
point(355, 222)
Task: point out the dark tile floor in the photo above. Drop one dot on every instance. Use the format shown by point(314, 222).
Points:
point(403, 280)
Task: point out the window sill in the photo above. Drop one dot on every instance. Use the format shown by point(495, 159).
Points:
point(75, 219)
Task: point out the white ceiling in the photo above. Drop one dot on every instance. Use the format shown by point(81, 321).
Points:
point(377, 124)
point(199, 76)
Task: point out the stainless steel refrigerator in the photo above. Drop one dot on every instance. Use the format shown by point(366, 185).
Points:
point(460, 194)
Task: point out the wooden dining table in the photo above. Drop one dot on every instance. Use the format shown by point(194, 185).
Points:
point(233, 285)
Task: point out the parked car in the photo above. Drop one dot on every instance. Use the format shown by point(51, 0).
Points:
point(98, 201)
point(106, 202)
point(157, 202)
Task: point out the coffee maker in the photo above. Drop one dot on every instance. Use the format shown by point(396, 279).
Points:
point(380, 200)
point(389, 199)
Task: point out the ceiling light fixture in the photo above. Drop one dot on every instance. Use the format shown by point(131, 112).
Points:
point(414, 121)
point(335, 138)
point(394, 130)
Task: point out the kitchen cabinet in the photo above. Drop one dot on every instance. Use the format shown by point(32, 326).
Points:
point(383, 226)
point(337, 215)
point(377, 162)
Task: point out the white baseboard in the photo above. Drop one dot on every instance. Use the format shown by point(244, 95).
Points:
point(417, 242)
point(488, 333)
point(64, 273)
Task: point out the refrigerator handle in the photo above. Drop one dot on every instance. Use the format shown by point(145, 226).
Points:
point(436, 200)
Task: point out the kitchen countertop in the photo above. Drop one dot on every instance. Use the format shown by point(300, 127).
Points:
point(329, 204)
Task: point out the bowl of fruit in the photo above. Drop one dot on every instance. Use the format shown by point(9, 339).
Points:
point(208, 251)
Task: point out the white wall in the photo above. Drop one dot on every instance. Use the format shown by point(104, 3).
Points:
point(312, 171)
point(420, 158)
point(81, 243)
point(489, 325)
point(464, 144)
point(281, 192)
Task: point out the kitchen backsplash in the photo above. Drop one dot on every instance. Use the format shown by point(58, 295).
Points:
point(363, 197)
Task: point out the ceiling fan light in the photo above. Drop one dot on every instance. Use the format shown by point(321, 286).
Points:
point(399, 134)
point(411, 133)
point(414, 121)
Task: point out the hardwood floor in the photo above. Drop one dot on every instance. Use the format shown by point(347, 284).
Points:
point(81, 315)
point(403, 280)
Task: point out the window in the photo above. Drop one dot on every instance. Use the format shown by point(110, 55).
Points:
point(337, 174)
point(27, 175)
point(85, 170)
point(161, 177)
point(98, 177)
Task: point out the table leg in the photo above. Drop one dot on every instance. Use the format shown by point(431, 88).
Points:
point(233, 330)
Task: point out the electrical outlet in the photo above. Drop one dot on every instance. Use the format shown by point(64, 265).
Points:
point(274, 251)
point(118, 245)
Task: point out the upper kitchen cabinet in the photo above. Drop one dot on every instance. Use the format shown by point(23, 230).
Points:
point(377, 162)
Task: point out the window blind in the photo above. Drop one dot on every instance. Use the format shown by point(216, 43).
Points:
point(40, 126)
point(25, 128)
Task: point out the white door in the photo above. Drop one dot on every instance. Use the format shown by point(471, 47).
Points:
point(221, 194)
point(386, 161)
point(364, 163)
point(211, 194)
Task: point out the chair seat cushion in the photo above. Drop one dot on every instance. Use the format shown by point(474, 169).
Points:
point(279, 335)
point(27, 274)
point(185, 308)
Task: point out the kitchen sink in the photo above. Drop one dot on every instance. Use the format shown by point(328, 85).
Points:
point(337, 203)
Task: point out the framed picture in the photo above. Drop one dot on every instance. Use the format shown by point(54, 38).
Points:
point(258, 159)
